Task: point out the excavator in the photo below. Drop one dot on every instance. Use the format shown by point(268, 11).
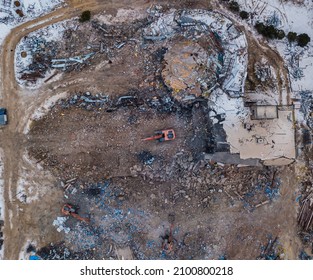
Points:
point(70, 210)
point(162, 135)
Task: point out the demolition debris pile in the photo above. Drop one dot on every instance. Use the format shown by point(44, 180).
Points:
point(116, 221)
point(35, 53)
point(202, 50)
point(212, 53)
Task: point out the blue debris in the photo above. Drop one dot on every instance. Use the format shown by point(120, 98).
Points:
point(222, 257)
point(150, 244)
point(298, 198)
point(304, 256)
point(34, 258)
point(271, 193)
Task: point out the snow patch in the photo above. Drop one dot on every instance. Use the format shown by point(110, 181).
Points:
point(122, 15)
point(288, 17)
point(31, 9)
point(243, 133)
point(59, 223)
point(44, 109)
point(28, 188)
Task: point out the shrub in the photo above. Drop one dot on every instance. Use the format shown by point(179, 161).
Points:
point(259, 26)
point(269, 31)
point(244, 15)
point(280, 34)
point(85, 16)
point(303, 39)
point(292, 36)
point(234, 6)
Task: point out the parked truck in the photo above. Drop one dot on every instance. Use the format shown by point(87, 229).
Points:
point(3, 116)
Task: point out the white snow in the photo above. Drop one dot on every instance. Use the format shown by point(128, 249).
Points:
point(44, 109)
point(28, 188)
point(30, 8)
point(278, 134)
point(122, 16)
point(1, 186)
point(291, 17)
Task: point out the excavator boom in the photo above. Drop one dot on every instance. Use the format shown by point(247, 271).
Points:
point(76, 216)
point(155, 137)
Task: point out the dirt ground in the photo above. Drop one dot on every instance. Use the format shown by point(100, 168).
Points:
point(145, 200)
point(94, 145)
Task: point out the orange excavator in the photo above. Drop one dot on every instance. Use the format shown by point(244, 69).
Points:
point(162, 135)
point(70, 210)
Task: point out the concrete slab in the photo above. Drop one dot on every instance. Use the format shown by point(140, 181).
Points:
point(261, 139)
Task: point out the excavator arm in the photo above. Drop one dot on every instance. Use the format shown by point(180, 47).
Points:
point(155, 137)
point(76, 216)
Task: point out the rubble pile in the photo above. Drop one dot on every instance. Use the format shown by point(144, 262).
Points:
point(190, 52)
point(126, 186)
point(85, 100)
point(38, 54)
point(263, 71)
point(117, 222)
point(293, 56)
point(272, 250)
point(307, 107)
point(60, 252)
point(113, 223)
point(205, 182)
point(223, 59)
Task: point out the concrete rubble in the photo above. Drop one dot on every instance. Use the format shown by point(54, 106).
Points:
point(228, 63)
point(59, 223)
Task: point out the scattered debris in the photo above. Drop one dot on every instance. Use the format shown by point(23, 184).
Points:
point(304, 256)
point(71, 62)
point(271, 250)
point(146, 157)
point(305, 217)
point(59, 224)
